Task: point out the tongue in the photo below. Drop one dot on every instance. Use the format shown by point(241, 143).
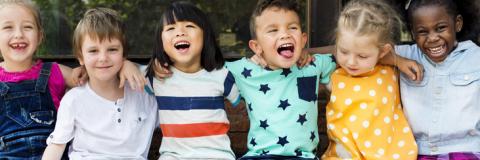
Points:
point(286, 53)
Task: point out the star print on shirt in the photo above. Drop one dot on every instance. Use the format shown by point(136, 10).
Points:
point(264, 88)
point(302, 118)
point(264, 124)
point(284, 104)
point(333, 58)
point(252, 142)
point(286, 72)
point(246, 72)
point(298, 152)
point(312, 136)
point(264, 152)
point(313, 64)
point(250, 107)
point(282, 141)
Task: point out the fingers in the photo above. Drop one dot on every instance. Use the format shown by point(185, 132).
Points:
point(122, 81)
point(419, 72)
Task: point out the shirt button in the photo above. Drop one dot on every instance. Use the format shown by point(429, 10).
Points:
point(119, 110)
point(466, 77)
point(434, 149)
point(119, 120)
point(139, 119)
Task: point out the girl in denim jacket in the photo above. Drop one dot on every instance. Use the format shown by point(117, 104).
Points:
point(443, 109)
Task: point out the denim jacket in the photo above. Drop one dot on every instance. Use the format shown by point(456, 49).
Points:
point(444, 108)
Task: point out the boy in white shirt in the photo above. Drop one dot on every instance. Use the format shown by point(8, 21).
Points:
point(102, 120)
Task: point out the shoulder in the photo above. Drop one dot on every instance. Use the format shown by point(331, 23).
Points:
point(76, 94)
point(238, 65)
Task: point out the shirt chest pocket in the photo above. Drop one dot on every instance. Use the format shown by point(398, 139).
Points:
point(467, 84)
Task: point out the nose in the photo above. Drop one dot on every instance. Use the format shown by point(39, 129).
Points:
point(351, 61)
point(285, 34)
point(102, 56)
point(432, 37)
point(180, 32)
point(18, 33)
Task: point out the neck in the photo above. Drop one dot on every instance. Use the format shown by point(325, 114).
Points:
point(188, 68)
point(17, 67)
point(107, 89)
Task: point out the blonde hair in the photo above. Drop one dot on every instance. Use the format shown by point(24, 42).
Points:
point(30, 6)
point(101, 23)
point(369, 17)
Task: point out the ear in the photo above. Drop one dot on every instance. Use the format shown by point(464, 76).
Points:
point(304, 40)
point(255, 47)
point(458, 23)
point(385, 49)
point(81, 61)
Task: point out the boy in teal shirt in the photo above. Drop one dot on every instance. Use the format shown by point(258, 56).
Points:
point(281, 99)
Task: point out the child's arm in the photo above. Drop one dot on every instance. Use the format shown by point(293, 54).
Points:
point(53, 151)
point(411, 68)
point(129, 72)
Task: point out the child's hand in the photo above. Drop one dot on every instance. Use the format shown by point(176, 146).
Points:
point(161, 72)
point(305, 58)
point(79, 75)
point(132, 74)
point(411, 68)
point(258, 59)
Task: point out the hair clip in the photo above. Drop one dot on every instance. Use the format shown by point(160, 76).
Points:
point(408, 4)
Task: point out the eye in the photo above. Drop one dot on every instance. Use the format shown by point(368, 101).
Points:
point(362, 57)
point(293, 28)
point(7, 27)
point(92, 51)
point(441, 28)
point(191, 26)
point(168, 28)
point(421, 32)
point(272, 30)
point(28, 27)
point(112, 49)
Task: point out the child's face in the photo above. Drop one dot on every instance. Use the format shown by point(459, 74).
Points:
point(19, 34)
point(434, 31)
point(183, 43)
point(279, 37)
point(358, 54)
point(103, 60)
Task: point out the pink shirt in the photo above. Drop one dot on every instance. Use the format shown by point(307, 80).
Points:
point(56, 83)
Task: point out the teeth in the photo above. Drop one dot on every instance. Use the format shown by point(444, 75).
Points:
point(436, 50)
point(19, 45)
point(181, 43)
point(286, 45)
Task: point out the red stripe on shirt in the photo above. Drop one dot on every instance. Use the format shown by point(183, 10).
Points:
point(194, 130)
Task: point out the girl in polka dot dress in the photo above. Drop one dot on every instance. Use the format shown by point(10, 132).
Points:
point(364, 115)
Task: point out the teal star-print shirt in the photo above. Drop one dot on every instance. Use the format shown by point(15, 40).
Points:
point(282, 105)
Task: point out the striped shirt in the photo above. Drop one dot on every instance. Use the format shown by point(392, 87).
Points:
point(192, 116)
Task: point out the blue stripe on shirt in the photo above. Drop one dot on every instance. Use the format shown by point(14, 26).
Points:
point(228, 84)
point(188, 103)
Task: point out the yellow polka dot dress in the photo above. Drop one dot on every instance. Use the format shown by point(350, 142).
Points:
point(365, 118)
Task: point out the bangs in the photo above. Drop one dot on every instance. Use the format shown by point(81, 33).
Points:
point(189, 13)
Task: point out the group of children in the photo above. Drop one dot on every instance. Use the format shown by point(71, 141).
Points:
point(436, 119)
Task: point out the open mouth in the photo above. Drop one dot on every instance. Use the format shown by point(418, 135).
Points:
point(182, 45)
point(19, 45)
point(437, 51)
point(286, 50)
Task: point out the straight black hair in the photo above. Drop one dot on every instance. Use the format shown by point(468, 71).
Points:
point(211, 56)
